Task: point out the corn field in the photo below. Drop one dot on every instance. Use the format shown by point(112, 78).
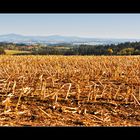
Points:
point(69, 90)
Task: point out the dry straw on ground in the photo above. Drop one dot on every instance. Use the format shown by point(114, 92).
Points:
point(70, 90)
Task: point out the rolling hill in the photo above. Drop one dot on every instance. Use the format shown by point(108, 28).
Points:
point(53, 39)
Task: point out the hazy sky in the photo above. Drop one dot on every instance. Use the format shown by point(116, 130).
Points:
point(83, 25)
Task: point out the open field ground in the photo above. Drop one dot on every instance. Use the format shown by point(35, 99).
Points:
point(15, 52)
point(69, 90)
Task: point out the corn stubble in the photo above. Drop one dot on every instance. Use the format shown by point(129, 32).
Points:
point(70, 90)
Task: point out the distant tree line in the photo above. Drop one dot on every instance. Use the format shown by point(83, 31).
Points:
point(127, 48)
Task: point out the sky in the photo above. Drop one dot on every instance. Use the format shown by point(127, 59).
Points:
point(82, 25)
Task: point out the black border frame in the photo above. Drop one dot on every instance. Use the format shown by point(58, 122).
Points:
point(70, 6)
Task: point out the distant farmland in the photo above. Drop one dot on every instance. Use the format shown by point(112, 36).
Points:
point(16, 52)
point(69, 90)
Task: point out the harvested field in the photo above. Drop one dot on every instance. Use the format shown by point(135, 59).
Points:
point(69, 90)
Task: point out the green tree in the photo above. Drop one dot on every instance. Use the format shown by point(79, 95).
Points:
point(137, 52)
point(2, 51)
point(127, 51)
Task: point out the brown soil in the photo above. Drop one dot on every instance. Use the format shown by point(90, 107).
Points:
point(33, 111)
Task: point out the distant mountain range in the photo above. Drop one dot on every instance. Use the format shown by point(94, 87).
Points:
point(55, 39)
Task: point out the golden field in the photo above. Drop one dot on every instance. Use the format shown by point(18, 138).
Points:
point(69, 90)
